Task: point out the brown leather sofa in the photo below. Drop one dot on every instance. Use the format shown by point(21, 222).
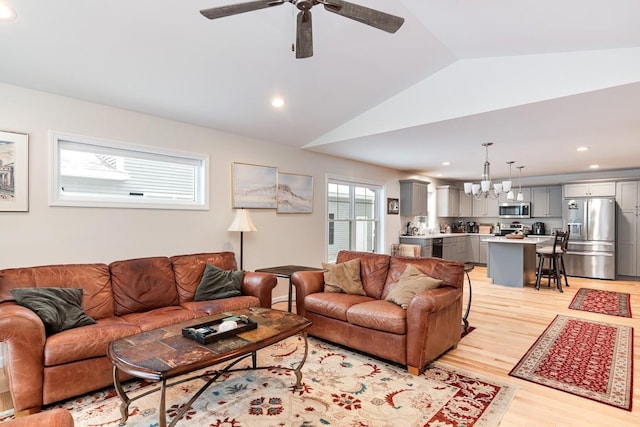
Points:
point(430, 325)
point(53, 418)
point(124, 297)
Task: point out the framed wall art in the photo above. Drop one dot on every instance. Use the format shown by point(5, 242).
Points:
point(393, 206)
point(254, 186)
point(295, 193)
point(14, 172)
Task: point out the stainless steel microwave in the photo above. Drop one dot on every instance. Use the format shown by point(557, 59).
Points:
point(514, 210)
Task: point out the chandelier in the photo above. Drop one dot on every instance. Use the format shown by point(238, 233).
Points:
point(483, 190)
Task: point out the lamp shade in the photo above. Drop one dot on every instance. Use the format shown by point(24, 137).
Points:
point(242, 222)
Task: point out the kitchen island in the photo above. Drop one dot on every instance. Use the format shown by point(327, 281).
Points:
point(512, 262)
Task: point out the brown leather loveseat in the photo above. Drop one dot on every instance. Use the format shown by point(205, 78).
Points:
point(124, 298)
point(428, 327)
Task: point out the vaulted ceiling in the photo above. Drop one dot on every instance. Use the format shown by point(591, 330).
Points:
point(537, 78)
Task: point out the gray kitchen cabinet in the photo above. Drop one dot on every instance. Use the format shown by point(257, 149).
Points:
point(485, 207)
point(454, 248)
point(466, 209)
point(413, 197)
point(426, 245)
point(473, 249)
point(628, 224)
point(484, 246)
point(447, 201)
point(590, 189)
point(546, 201)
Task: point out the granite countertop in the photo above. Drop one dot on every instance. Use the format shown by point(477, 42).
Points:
point(439, 235)
point(526, 241)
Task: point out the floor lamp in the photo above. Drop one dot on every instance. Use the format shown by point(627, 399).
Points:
point(242, 222)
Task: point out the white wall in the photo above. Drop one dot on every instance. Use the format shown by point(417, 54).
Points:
point(49, 235)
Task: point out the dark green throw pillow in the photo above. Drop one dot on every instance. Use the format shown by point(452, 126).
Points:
point(59, 308)
point(217, 283)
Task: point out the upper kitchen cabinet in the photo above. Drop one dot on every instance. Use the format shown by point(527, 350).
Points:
point(413, 197)
point(485, 207)
point(447, 201)
point(466, 208)
point(590, 189)
point(546, 201)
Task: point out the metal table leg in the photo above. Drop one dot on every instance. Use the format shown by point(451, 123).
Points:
point(467, 269)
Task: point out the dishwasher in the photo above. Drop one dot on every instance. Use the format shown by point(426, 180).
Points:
point(436, 247)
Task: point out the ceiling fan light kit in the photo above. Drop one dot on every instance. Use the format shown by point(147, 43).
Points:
point(304, 38)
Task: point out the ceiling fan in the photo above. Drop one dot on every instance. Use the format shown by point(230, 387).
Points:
point(304, 39)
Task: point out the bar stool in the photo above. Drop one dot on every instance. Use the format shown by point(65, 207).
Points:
point(553, 254)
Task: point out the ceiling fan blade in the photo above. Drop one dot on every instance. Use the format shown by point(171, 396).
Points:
point(234, 9)
point(375, 18)
point(304, 35)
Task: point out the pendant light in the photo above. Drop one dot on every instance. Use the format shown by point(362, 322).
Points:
point(520, 195)
point(506, 185)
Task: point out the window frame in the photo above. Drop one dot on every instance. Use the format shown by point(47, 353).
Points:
point(58, 198)
point(379, 207)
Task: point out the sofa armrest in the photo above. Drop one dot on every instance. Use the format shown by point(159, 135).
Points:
point(57, 417)
point(306, 282)
point(433, 316)
point(259, 285)
point(24, 334)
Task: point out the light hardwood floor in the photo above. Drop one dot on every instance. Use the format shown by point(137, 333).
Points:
point(508, 321)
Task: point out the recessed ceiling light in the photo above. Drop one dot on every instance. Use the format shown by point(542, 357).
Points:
point(6, 13)
point(583, 148)
point(439, 175)
point(446, 163)
point(277, 102)
point(594, 166)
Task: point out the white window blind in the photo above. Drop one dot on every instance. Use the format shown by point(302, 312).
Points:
point(353, 221)
point(91, 172)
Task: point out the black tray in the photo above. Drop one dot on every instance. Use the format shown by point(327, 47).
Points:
point(206, 333)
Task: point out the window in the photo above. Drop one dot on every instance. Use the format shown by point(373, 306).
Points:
point(98, 173)
point(353, 217)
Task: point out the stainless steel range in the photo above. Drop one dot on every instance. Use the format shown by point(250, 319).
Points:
point(512, 228)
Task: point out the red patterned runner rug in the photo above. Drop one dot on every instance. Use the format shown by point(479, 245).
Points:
point(588, 359)
point(340, 388)
point(605, 302)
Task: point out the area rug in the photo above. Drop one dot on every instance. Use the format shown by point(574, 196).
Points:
point(340, 388)
point(605, 302)
point(588, 359)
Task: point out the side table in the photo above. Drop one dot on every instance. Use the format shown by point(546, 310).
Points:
point(286, 271)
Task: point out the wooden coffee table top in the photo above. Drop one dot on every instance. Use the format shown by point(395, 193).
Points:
point(164, 353)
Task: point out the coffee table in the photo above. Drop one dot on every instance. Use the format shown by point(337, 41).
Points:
point(163, 353)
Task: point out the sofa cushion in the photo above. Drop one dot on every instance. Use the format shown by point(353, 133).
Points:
point(59, 308)
point(226, 304)
point(334, 305)
point(160, 317)
point(217, 283)
point(343, 277)
point(379, 315)
point(373, 270)
point(94, 279)
point(143, 284)
point(87, 342)
point(411, 282)
point(188, 270)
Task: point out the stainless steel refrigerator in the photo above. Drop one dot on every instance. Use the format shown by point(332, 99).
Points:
point(592, 229)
